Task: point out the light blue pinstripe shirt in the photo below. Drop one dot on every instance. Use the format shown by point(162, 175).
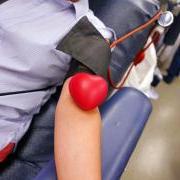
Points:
point(29, 33)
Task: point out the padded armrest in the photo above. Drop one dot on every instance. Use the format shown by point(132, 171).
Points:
point(124, 116)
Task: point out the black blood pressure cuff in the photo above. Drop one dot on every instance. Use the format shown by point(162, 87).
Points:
point(87, 47)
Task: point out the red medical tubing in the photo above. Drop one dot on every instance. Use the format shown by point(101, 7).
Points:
point(140, 55)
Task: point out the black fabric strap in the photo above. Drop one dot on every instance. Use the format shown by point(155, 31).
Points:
point(87, 46)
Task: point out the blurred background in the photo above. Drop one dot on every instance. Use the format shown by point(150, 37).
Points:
point(158, 150)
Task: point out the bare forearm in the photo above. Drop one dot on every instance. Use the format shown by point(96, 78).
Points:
point(77, 141)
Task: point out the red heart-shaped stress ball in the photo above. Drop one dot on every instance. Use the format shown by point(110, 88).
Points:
point(87, 90)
